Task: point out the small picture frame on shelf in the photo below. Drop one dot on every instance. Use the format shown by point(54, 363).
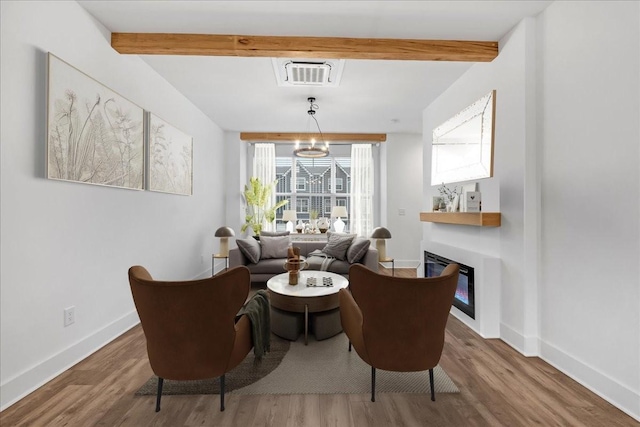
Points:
point(463, 199)
point(473, 200)
point(437, 200)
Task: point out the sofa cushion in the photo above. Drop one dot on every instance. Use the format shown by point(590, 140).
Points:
point(274, 246)
point(339, 267)
point(337, 245)
point(358, 249)
point(274, 233)
point(250, 248)
point(270, 266)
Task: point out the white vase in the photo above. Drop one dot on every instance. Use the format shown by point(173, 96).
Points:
point(323, 224)
point(455, 203)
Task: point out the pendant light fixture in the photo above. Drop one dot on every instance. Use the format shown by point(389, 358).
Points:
point(311, 150)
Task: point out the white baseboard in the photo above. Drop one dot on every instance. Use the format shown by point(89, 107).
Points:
point(207, 273)
point(617, 394)
point(22, 384)
point(405, 263)
point(528, 346)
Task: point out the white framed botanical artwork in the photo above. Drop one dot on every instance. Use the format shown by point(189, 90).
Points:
point(94, 135)
point(170, 158)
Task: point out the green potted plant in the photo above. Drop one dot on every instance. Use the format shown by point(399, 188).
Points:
point(257, 197)
point(313, 219)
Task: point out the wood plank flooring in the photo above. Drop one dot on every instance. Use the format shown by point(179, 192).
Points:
point(498, 387)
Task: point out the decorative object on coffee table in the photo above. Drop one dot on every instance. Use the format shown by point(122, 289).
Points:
point(294, 265)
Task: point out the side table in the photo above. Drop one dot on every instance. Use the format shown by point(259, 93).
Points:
point(393, 264)
point(214, 257)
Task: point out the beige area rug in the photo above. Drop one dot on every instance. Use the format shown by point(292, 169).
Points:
point(322, 367)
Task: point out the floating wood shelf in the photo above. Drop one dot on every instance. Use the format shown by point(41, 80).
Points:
point(479, 219)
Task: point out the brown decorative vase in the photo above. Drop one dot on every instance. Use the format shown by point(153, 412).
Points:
point(293, 266)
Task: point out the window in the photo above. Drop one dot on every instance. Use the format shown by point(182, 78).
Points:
point(314, 180)
point(339, 185)
point(301, 184)
point(302, 206)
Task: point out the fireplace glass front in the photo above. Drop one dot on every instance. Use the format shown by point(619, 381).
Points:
point(465, 296)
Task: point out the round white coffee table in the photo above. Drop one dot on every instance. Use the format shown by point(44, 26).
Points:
point(305, 299)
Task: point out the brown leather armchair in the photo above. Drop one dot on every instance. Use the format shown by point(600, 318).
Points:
point(397, 324)
point(190, 325)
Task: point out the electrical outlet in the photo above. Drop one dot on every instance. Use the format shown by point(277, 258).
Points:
point(69, 315)
point(401, 212)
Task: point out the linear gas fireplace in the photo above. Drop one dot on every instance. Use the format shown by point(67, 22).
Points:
point(465, 296)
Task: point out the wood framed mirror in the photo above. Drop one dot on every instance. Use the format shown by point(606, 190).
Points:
point(462, 148)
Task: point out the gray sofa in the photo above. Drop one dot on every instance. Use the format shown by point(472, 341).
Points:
point(265, 269)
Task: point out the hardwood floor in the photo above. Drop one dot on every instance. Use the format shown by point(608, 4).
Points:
point(498, 387)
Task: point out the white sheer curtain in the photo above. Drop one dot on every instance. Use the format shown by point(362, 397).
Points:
point(264, 168)
point(361, 214)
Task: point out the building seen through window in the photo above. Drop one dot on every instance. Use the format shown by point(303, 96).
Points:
point(320, 184)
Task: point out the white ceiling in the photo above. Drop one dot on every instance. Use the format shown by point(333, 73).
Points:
point(241, 94)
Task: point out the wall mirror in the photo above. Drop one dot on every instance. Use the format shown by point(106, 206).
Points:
point(462, 147)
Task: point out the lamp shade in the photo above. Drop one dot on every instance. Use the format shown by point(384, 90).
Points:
point(289, 215)
point(339, 211)
point(380, 233)
point(225, 232)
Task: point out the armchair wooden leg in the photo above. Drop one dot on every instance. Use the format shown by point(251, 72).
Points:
point(160, 383)
point(433, 392)
point(349, 345)
point(373, 384)
point(222, 393)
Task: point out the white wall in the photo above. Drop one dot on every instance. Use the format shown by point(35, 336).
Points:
point(509, 75)
point(590, 139)
point(567, 181)
point(68, 244)
point(403, 191)
point(234, 181)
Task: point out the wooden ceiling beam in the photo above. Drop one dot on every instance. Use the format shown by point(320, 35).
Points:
point(304, 47)
point(290, 137)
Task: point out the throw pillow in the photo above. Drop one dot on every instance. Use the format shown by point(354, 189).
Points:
point(274, 233)
point(337, 245)
point(250, 248)
point(358, 248)
point(274, 246)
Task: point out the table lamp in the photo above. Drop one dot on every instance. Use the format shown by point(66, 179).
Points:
point(381, 234)
point(337, 212)
point(291, 217)
point(224, 233)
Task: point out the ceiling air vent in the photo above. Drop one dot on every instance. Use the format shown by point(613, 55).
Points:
point(307, 73)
